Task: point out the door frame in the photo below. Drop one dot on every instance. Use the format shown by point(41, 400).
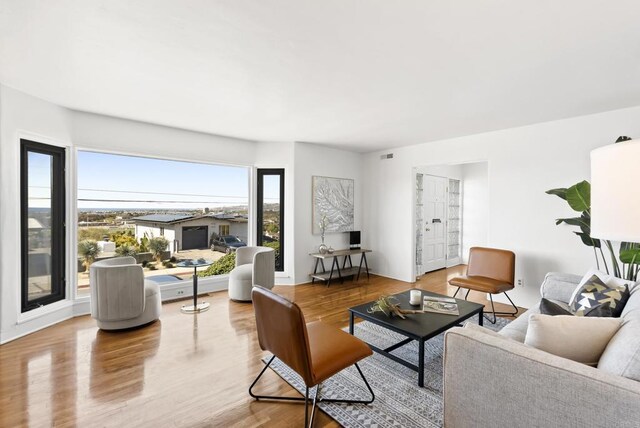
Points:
point(445, 181)
point(421, 170)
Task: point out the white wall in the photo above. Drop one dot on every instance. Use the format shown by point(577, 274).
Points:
point(281, 155)
point(475, 206)
point(523, 163)
point(51, 123)
point(310, 160)
point(448, 171)
point(22, 116)
point(104, 133)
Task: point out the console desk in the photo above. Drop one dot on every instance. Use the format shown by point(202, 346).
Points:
point(336, 271)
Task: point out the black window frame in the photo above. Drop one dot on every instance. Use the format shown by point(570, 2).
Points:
point(261, 172)
point(58, 223)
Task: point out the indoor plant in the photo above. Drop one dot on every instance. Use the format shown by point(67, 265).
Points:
point(626, 263)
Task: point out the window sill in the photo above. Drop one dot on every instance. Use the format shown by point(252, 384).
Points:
point(40, 312)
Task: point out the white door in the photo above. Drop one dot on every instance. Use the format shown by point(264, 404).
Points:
point(435, 219)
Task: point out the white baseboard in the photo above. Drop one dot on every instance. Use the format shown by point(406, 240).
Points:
point(82, 306)
point(390, 277)
point(38, 321)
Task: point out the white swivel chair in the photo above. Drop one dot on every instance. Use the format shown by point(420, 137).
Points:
point(254, 266)
point(120, 298)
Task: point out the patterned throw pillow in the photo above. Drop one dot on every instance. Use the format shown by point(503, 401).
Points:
point(595, 298)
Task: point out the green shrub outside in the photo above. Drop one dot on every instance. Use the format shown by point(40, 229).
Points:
point(124, 237)
point(127, 250)
point(92, 233)
point(88, 249)
point(158, 245)
point(276, 247)
point(224, 264)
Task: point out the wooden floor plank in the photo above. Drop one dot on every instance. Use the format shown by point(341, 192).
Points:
point(184, 370)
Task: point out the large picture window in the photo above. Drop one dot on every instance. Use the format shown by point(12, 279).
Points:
point(270, 212)
point(162, 212)
point(42, 188)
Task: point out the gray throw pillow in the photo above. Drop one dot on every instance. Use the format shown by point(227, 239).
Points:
point(549, 307)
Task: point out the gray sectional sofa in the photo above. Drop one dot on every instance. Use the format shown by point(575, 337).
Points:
point(496, 380)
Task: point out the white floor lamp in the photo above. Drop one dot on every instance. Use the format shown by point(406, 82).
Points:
point(615, 192)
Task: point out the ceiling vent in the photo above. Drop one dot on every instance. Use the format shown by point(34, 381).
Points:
point(387, 156)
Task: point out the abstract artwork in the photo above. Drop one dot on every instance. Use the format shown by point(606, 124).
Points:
point(333, 198)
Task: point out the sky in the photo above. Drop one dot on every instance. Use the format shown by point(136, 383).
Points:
point(117, 181)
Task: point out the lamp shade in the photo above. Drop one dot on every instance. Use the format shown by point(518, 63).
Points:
point(615, 192)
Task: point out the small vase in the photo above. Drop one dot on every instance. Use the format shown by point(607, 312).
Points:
point(322, 249)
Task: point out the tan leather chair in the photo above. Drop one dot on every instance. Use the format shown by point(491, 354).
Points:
point(489, 271)
point(316, 351)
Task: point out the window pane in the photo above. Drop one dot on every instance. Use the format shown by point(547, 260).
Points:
point(270, 204)
point(125, 203)
point(39, 205)
point(42, 195)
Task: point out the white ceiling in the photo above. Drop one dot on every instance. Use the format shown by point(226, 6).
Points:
point(362, 75)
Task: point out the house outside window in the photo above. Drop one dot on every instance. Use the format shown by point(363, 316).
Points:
point(113, 201)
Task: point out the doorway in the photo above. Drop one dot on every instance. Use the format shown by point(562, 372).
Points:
point(450, 212)
point(438, 219)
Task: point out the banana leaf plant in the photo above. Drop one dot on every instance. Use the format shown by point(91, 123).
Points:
point(578, 197)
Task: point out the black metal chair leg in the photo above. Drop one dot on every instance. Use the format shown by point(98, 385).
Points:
point(257, 397)
point(306, 408)
point(337, 400)
point(467, 295)
point(456, 293)
point(493, 311)
point(313, 407)
point(316, 399)
point(373, 396)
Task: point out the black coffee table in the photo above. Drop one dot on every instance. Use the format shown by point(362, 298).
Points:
point(419, 327)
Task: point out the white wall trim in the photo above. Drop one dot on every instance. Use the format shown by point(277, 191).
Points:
point(57, 312)
point(39, 321)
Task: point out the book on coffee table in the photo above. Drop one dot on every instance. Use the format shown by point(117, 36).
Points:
point(440, 305)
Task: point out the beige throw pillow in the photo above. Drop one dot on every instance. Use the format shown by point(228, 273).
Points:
point(581, 339)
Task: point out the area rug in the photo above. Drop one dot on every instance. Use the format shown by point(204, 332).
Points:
point(399, 401)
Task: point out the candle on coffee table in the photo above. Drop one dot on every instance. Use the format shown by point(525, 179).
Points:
point(414, 297)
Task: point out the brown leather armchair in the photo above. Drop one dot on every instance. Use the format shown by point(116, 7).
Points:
point(489, 271)
point(316, 351)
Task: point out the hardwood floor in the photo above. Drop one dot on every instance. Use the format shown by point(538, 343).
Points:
point(184, 370)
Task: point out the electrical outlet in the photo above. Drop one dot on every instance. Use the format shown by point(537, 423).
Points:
point(521, 282)
point(180, 292)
